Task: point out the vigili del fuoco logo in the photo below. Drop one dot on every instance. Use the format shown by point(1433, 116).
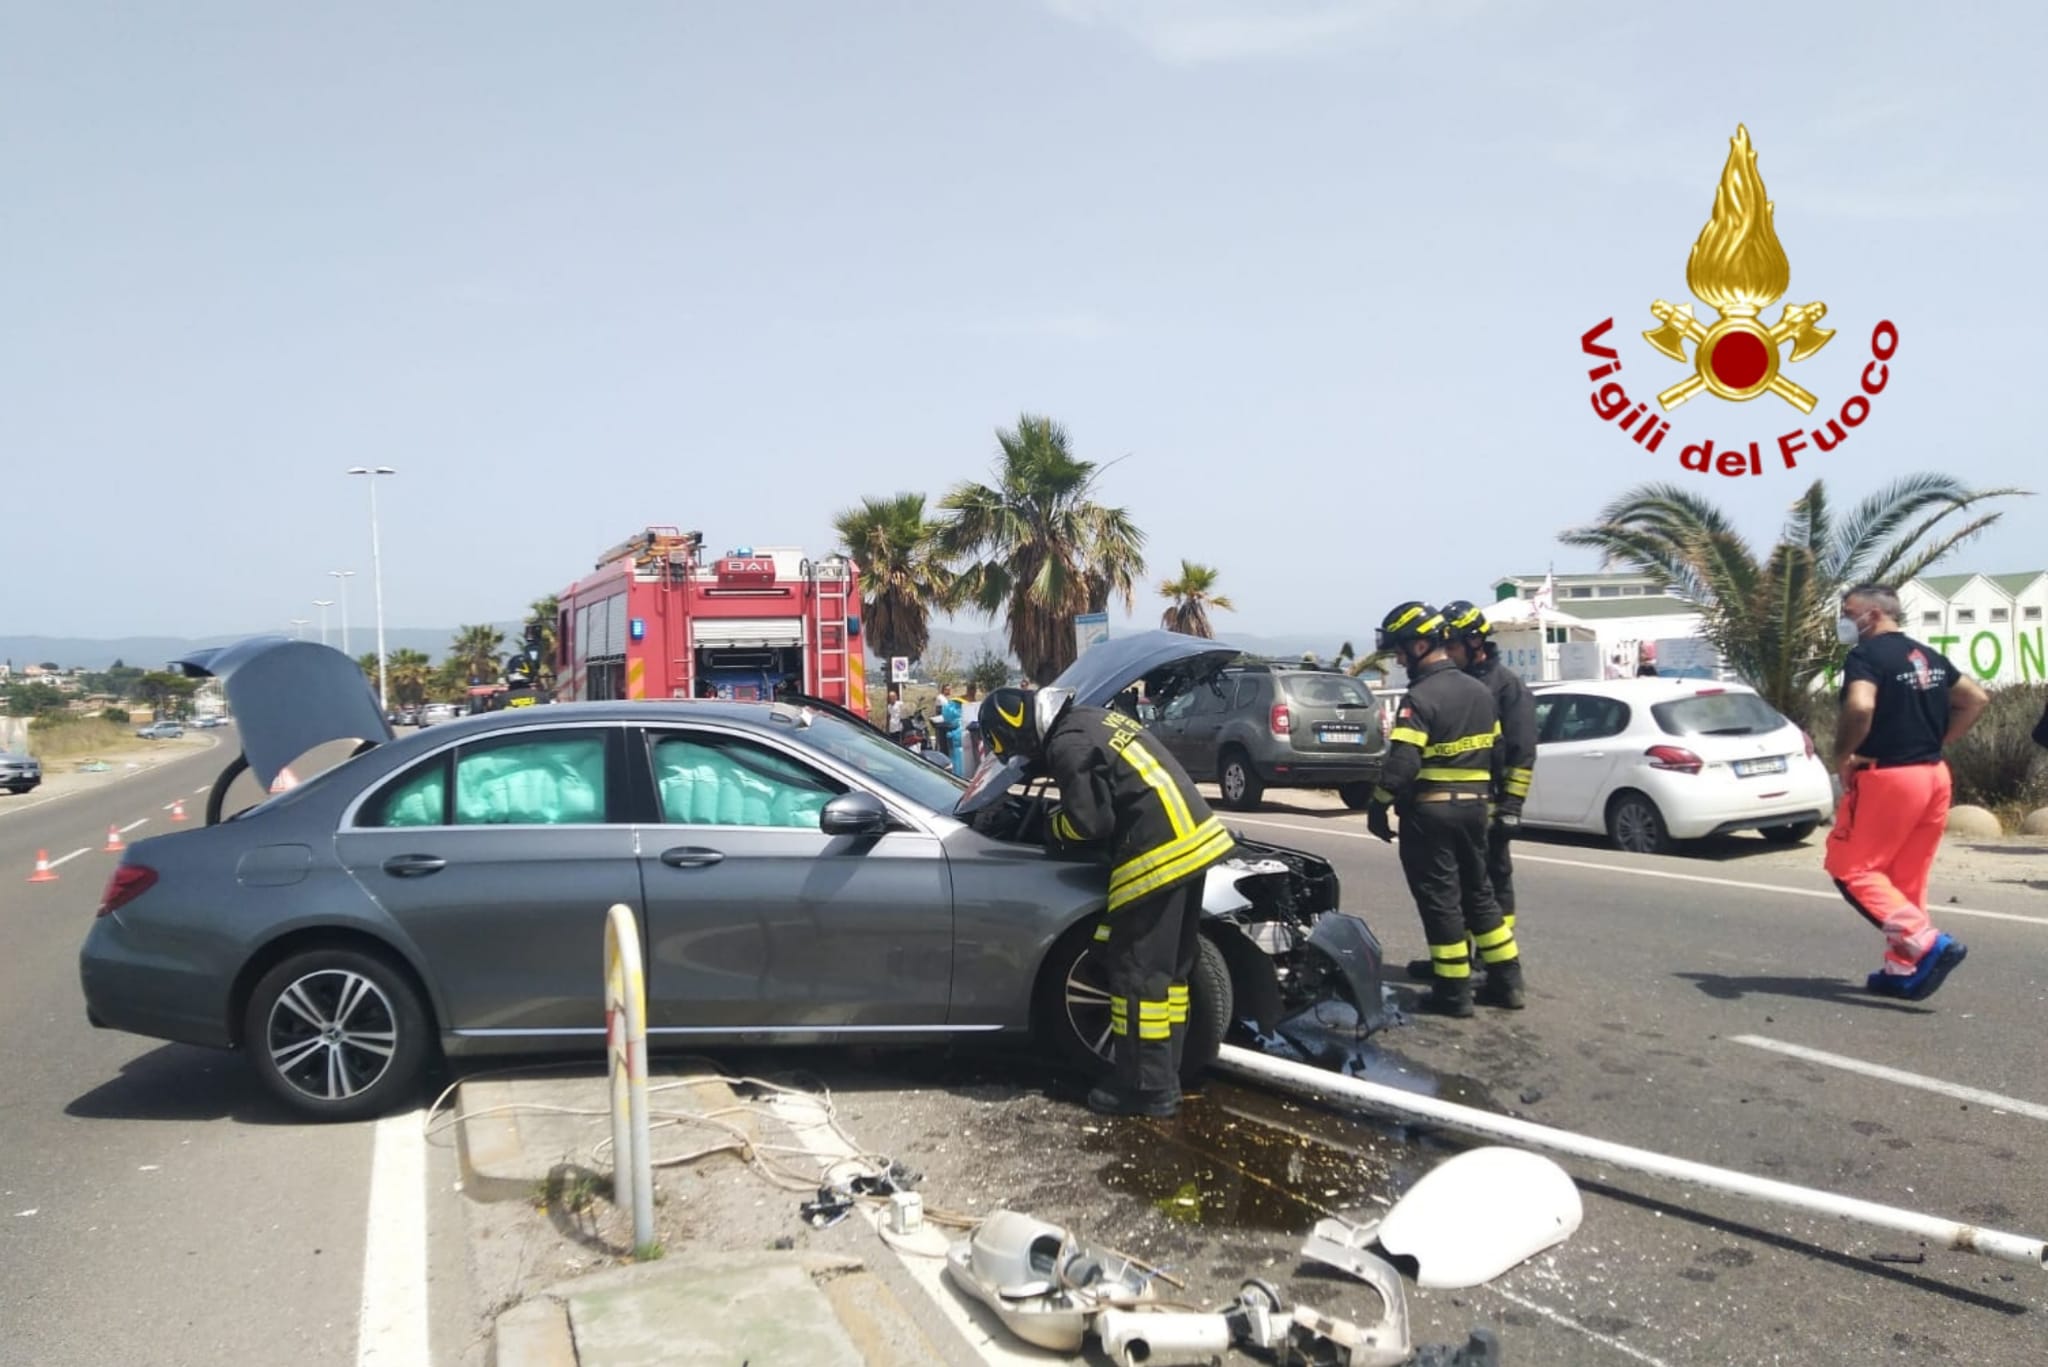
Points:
point(1738, 269)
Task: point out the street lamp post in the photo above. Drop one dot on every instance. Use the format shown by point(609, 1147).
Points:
point(377, 575)
point(342, 577)
point(299, 627)
point(323, 604)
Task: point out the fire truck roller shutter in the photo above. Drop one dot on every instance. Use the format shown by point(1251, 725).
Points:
point(762, 632)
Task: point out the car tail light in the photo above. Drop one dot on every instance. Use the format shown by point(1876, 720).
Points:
point(1808, 738)
point(1675, 758)
point(126, 883)
point(1281, 720)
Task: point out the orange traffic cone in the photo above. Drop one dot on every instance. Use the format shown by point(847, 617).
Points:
point(285, 780)
point(178, 809)
point(113, 845)
point(44, 873)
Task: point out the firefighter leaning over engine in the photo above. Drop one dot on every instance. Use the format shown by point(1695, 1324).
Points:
point(1438, 774)
point(1124, 795)
point(1472, 649)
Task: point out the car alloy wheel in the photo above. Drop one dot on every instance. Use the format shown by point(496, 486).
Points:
point(1636, 827)
point(336, 1033)
point(331, 1034)
point(1079, 1013)
point(1238, 787)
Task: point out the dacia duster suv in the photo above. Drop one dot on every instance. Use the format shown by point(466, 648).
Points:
point(1251, 727)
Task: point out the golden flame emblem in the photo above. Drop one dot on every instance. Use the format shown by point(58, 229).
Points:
point(1738, 269)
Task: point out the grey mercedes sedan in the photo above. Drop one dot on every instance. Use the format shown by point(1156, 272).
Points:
point(796, 877)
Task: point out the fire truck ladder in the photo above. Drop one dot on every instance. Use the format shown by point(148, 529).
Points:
point(828, 623)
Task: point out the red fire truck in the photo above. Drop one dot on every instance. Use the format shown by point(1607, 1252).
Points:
point(660, 619)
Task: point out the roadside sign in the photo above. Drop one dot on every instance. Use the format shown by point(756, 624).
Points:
point(1090, 629)
point(899, 669)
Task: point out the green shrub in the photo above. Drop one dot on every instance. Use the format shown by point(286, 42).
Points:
point(116, 714)
point(1998, 763)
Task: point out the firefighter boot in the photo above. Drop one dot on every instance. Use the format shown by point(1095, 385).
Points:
point(1503, 986)
point(1450, 988)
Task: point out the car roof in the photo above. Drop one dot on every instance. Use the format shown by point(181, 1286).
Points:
point(1655, 688)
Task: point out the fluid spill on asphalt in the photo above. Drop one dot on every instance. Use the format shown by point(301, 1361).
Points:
point(1239, 1157)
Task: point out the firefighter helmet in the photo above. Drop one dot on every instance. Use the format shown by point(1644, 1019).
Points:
point(1014, 721)
point(1411, 621)
point(1466, 622)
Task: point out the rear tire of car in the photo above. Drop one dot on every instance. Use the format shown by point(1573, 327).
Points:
point(1072, 1010)
point(1357, 796)
point(1789, 835)
point(1634, 824)
point(337, 1034)
point(1237, 782)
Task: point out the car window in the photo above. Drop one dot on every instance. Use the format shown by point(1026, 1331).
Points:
point(1180, 706)
point(1327, 690)
point(707, 779)
point(417, 797)
point(1583, 716)
point(1717, 714)
point(550, 779)
point(1545, 705)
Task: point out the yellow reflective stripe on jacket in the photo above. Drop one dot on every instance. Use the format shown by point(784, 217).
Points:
point(1409, 735)
point(1517, 782)
point(1210, 844)
point(1464, 745)
point(1455, 776)
point(1063, 827)
point(1160, 782)
point(1170, 853)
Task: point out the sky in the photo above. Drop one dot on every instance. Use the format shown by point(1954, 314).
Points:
point(1307, 278)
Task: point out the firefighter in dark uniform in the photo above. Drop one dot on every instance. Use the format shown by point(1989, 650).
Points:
point(1438, 774)
point(1472, 649)
point(1122, 794)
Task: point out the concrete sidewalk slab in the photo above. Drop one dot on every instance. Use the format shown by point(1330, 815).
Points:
point(514, 1134)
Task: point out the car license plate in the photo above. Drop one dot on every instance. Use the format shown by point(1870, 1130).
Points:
point(1747, 768)
point(1334, 735)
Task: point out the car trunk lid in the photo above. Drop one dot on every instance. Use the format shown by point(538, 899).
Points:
point(288, 697)
point(1331, 714)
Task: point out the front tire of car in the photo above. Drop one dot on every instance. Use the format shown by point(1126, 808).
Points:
point(1237, 782)
point(1634, 824)
point(337, 1034)
point(1073, 1005)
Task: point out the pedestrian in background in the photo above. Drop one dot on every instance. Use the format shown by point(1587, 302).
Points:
point(970, 721)
point(895, 722)
point(1902, 702)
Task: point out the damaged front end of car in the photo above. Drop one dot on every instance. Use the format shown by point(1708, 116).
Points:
point(1294, 952)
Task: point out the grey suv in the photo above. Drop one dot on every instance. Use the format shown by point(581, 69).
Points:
point(1252, 727)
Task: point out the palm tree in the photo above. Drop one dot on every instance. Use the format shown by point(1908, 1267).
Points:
point(1189, 599)
point(409, 673)
point(902, 577)
point(477, 648)
point(1038, 548)
point(1771, 618)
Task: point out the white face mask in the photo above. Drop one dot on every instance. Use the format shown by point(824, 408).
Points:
point(1846, 632)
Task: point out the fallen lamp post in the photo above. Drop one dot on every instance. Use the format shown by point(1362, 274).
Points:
point(1302, 1078)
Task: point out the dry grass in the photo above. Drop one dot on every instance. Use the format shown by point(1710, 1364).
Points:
point(83, 738)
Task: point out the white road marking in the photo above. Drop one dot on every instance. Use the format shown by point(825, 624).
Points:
point(133, 824)
point(989, 1340)
point(2032, 1110)
point(204, 788)
point(1521, 858)
point(392, 1324)
point(1568, 1322)
point(71, 856)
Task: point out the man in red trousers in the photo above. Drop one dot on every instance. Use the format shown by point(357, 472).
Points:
point(1902, 701)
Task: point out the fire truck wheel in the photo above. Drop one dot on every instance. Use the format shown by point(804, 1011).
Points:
point(1072, 1007)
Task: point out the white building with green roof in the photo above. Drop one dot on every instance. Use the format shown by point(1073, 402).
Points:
point(1989, 624)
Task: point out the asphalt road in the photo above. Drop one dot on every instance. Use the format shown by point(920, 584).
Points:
point(1642, 987)
point(155, 1206)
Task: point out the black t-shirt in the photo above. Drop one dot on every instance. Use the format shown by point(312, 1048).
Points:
point(1912, 681)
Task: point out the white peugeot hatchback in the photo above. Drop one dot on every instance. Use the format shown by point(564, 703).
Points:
point(1651, 761)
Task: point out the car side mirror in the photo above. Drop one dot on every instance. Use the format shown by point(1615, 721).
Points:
point(854, 814)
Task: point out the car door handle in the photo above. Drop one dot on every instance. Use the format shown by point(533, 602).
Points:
point(690, 857)
point(414, 865)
